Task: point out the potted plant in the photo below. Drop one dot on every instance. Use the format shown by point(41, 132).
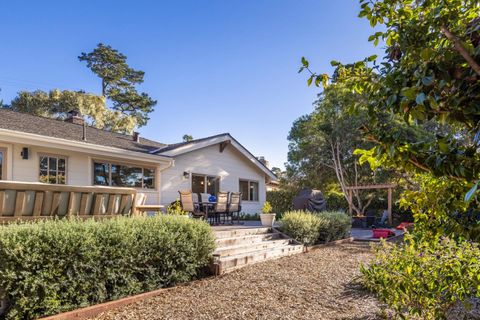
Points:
point(267, 217)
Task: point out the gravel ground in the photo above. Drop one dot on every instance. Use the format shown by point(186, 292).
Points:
point(321, 284)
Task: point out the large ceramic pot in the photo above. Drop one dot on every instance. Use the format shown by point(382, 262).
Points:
point(268, 219)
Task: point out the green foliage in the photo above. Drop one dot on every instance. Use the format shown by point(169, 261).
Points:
point(302, 226)
point(175, 208)
point(335, 225)
point(281, 200)
point(266, 208)
point(429, 75)
point(439, 208)
point(56, 104)
point(54, 266)
point(187, 137)
point(119, 81)
point(424, 279)
point(311, 228)
point(322, 145)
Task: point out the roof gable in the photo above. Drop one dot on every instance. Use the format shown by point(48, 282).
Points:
point(185, 147)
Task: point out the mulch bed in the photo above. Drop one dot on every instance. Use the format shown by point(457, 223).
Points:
point(321, 284)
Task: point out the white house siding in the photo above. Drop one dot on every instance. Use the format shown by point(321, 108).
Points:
point(79, 166)
point(229, 165)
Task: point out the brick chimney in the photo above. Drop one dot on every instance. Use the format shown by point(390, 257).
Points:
point(73, 116)
point(136, 136)
point(264, 161)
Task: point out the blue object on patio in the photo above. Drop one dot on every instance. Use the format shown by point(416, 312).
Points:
point(212, 199)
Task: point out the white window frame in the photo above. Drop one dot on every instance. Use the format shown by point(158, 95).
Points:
point(110, 163)
point(250, 181)
point(57, 156)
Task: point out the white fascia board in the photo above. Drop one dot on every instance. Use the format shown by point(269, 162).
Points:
point(195, 146)
point(77, 146)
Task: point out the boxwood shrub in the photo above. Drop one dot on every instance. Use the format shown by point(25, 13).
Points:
point(312, 228)
point(55, 266)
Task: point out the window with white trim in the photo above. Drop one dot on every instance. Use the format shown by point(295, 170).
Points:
point(123, 175)
point(53, 169)
point(249, 190)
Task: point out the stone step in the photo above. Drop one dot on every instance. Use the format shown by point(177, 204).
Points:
point(244, 248)
point(233, 262)
point(231, 233)
point(247, 239)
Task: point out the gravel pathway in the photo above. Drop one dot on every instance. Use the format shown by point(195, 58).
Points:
point(320, 284)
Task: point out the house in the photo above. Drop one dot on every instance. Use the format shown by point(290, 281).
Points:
point(38, 149)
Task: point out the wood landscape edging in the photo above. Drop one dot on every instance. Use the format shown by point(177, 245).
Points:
point(94, 310)
point(331, 243)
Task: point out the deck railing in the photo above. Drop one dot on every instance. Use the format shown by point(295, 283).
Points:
point(28, 201)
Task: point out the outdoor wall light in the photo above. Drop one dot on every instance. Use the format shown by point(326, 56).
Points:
point(186, 174)
point(24, 153)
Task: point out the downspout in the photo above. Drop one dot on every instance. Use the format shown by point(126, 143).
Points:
point(171, 164)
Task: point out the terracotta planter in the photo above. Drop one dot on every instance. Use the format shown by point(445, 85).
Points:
point(268, 219)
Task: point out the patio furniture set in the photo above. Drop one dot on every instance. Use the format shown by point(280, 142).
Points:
point(223, 208)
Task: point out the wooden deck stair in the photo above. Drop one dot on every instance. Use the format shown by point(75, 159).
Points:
point(237, 248)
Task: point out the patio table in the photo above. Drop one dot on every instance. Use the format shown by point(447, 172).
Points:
point(207, 205)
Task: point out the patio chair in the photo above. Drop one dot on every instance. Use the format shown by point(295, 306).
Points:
point(221, 206)
point(235, 205)
point(143, 208)
point(186, 200)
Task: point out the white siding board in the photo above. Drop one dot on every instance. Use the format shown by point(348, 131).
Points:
point(230, 165)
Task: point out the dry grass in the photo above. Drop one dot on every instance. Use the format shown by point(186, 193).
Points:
point(320, 284)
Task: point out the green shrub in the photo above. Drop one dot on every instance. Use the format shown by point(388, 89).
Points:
point(424, 280)
point(302, 226)
point(54, 266)
point(335, 225)
point(267, 208)
point(311, 228)
point(281, 201)
point(175, 208)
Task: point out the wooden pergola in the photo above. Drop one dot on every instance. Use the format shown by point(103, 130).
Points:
point(389, 187)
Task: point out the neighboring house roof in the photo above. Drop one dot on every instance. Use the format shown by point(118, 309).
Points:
point(24, 122)
point(59, 129)
point(189, 146)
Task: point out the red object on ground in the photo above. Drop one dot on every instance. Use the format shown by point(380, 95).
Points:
point(405, 226)
point(382, 233)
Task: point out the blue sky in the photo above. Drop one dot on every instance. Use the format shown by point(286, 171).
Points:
point(213, 65)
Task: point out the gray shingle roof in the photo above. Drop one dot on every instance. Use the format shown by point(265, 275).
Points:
point(23, 122)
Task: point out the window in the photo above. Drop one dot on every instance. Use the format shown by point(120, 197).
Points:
point(205, 184)
point(122, 175)
point(53, 169)
point(249, 190)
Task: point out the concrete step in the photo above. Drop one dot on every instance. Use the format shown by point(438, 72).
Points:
point(231, 233)
point(233, 262)
point(247, 239)
point(244, 248)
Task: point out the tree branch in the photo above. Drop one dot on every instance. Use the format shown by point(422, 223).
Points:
point(461, 49)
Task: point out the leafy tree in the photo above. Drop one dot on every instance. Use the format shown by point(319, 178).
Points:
point(322, 144)
point(56, 104)
point(119, 81)
point(187, 137)
point(429, 74)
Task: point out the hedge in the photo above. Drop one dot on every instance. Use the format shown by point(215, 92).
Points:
point(55, 266)
point(311, 228)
